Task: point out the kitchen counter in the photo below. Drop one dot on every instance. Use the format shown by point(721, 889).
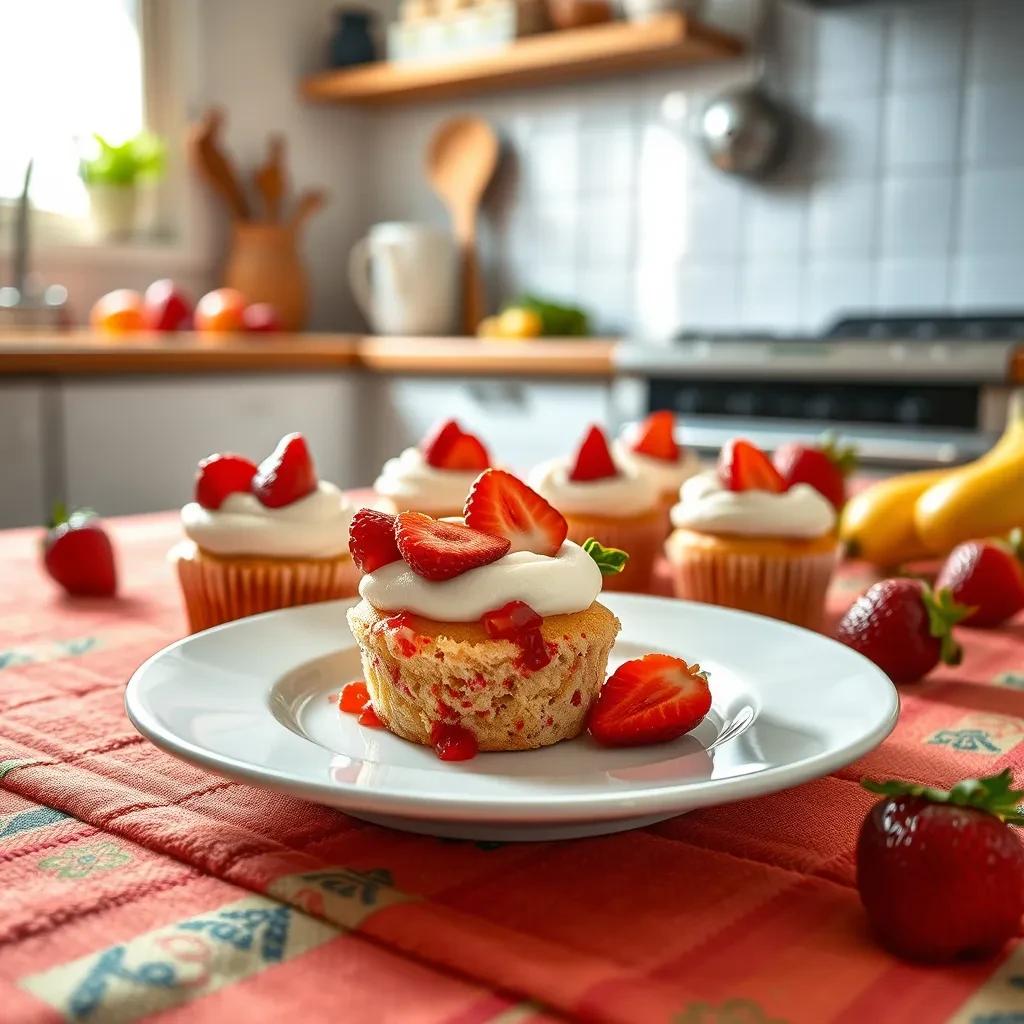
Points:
point(72, 353)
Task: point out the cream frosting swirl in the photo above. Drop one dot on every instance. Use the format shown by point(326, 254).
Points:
point(315, 526)
point(667, 476)
point(707, 507)
point(410, 481)
point(566, 582)
point(627, 494)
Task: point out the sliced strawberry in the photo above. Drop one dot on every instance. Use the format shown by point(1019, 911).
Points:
point(465, 454)
point(354, 697)
point(742, 466)
point(438, 550)
point(221, 475)
point(652, 699)
point(510, 620)
point(438, 442)
point(286, 475)
point(657, 438)
point(593, 458)
point(502, 505)
point(371, 540)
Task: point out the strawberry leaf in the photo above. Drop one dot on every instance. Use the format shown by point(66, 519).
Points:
point(842, 456)
point(994, 794)
point(943, 614)
point(611, 561)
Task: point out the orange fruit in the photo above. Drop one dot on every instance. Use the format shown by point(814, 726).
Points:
point(220, 310)
point(117, 312)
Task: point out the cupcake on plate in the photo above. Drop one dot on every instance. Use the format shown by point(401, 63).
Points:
point(743, 540)
point(435, 477)
point(600, 497)
point(483, 633)
point(262, 537)
point(650, 449)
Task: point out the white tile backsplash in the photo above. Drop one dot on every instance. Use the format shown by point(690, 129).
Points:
point(905, 188)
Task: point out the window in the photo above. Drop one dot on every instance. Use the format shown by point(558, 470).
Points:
point(68, 68)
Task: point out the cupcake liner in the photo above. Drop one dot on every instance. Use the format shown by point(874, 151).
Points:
point(219, 590)
point(641, 536)
point(790, 587)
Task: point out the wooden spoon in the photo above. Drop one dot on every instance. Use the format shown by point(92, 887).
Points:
point(461, 160)
point(214, 166)
point(270, 179)
point(307, 204)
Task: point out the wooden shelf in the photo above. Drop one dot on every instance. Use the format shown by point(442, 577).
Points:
point(620, 46)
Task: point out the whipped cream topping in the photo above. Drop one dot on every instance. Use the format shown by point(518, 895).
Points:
point(667, 476)
point(627, 494)
point(410, 481)
point(315, 526)
point(706, 506)
point(566, 582)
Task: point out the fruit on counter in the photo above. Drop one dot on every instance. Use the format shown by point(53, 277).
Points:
point(261, 317)
point(988, 576)
point(286, 475)
point(593, 458)
point(825, 467)
point(165, 307)
point(220, 475)
point(878, 523)
point(438, 550)
point(118, 312)
point(653, 699)
point(742, 466)
point(371, 540)
point(514, 323)
point(502, 505)
point(557, 320)
point(983, 498)
point(77, 553)
point(904, 627)
point(220, 310)
point(941, 872)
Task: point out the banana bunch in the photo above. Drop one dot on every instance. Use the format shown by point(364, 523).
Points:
point(927, 513)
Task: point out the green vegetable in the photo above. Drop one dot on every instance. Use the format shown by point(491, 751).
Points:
point(611, 561)
point(556, 320)
point(140, 157)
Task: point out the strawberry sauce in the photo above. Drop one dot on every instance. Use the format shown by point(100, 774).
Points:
point(370, 719)
point(354, 698)
point(518, 622)
point(452, 742)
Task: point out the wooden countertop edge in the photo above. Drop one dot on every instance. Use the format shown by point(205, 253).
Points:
point(84, 353)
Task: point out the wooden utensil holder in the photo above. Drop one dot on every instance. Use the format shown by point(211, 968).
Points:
point(265, 266)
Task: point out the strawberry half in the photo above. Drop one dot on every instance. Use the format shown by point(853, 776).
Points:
point(652, 699)
point(593, 458)
point(438, 550)
point(448, 446)
point(286, 475)
point(742, 466)
point(502, 505)
point(825, 468)
point(221, 475)
point(657, 438)
point(371, 540)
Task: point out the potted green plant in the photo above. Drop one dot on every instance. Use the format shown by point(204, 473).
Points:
point(117, 177)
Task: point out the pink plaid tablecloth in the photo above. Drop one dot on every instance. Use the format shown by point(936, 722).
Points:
point(137, 885)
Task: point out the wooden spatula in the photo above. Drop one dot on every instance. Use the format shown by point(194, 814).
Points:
point(461, 160)
point(214, 166)
point(270, 178)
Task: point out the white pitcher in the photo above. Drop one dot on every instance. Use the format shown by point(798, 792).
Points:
point(403, 277)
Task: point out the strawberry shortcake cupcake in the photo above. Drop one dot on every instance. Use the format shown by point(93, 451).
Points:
point(262, 537)
point(650, 449)
point(435, 477)
point(601, 497)
point(483, 633)
point(744, 540)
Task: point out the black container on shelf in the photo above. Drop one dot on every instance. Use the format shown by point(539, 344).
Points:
point(351, 42)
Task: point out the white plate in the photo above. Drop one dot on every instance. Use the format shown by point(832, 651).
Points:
point(250, 700)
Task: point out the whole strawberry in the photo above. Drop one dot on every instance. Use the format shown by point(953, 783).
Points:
point(989, 576)
point(78, 554)
point(941, 873)
point(825, 467)
point(904, 627)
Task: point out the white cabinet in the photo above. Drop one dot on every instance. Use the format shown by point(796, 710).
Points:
point(132, 444)
point(24, 453)
point(521, 421)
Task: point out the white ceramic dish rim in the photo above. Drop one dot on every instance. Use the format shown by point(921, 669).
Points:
point(591, 807)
